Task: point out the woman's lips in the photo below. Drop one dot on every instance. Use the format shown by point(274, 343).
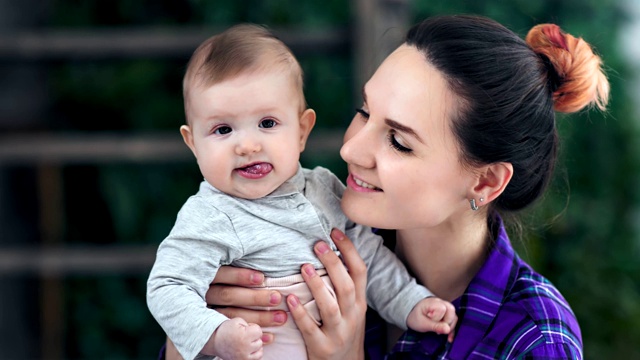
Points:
point(360, 185)
point(255, 170)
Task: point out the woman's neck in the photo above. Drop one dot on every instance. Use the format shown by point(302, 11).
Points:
point(446, 259)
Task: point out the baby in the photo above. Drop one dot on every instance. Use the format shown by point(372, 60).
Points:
point(247, 123)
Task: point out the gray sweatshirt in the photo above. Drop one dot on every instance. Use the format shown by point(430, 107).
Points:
point(274, 234)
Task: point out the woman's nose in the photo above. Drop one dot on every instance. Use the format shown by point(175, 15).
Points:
point(248, 144)
point(359, 146)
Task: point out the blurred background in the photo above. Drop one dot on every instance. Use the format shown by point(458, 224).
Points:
point(93, 169)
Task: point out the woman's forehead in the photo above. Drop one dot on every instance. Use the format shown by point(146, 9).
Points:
point(407, 82)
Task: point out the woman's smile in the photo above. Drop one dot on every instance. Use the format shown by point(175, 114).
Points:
point(360, 185)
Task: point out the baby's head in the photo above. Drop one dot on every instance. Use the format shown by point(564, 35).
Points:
point(247, 120)
point(242, 49)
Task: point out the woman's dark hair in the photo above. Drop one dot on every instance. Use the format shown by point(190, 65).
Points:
point(510, 90)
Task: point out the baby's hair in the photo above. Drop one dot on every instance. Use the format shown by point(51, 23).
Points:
point(575, 72)
point(242, 49)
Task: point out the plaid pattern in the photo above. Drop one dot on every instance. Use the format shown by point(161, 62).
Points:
point(508, 312)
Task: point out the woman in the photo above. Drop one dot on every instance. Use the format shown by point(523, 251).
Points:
point(457, 127)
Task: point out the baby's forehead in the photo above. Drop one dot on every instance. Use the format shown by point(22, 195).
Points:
point(269, 88)
point(201, 82)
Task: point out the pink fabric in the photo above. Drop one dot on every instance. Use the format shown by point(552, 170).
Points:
point(288, 342)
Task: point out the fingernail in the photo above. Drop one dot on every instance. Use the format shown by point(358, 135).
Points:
point(293, 301)
point(257, 278)
point(266, 338)
point(337, 235)
point(279, 317)
point(274, 298)
point(309, 270)
point(322, 247)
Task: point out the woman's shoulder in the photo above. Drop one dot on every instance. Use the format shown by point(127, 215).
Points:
point(536, 320)
point(526, 314)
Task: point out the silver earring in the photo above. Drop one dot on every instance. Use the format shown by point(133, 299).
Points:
point(474, 207)
point(481, 199)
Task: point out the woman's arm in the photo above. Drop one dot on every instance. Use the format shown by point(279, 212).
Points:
point(341, 335)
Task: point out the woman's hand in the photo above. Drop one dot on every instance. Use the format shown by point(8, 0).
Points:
point(341, 335)
point(229, 290)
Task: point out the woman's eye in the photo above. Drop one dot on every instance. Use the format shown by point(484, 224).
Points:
point(362, 113)
point(222, 130)
point(393, 142)
point(267, 123)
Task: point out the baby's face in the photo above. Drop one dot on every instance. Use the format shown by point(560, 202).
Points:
point(247, 132)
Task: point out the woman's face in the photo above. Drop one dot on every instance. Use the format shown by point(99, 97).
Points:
point(404, 165)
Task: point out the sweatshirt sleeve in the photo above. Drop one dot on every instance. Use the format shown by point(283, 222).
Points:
point(200, 242)
point(391, 291)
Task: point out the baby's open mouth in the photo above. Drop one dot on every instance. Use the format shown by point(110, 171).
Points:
point(256, 169)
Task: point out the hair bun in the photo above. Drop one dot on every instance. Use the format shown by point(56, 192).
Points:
point(577, 79)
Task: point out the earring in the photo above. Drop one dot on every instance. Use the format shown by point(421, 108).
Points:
point(474, 207)
point(481, 199)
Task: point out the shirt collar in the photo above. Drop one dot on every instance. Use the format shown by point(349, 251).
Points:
point(476, 308)
point(294, 185)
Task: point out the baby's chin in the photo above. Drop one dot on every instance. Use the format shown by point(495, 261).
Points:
point(249, 192)
point(253, 194)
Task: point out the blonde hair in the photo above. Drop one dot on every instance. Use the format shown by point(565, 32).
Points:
point(580, 78)
point(241, 49)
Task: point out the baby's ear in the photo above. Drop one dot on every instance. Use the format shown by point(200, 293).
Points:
point(187, 136)
point(307, 121)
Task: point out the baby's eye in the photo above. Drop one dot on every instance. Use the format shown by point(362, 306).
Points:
point(267, 123)
point(222, 130)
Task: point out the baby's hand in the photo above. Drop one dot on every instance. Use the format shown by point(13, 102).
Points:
point(237, 340)
point(433, 314)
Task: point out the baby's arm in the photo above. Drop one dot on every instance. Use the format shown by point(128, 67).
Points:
point(391, 290)
point(186, 262)
point(235, 339)
point(433, 314)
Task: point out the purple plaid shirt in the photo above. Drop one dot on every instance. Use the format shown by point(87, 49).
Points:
point(508, 311)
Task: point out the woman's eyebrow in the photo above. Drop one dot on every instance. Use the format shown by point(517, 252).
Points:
point(402, 128)
point(394, 124)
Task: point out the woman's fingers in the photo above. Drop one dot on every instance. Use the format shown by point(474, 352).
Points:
point(233, 299)
point(341, 334)
point(325, 300)
point(238, 277)
point(306, 324)
point(229, 295)
point(263, 318)
point(357, 280)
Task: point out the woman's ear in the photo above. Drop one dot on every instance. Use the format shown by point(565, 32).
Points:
point(307, 121)
point(187, 136)
point(492, 180)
